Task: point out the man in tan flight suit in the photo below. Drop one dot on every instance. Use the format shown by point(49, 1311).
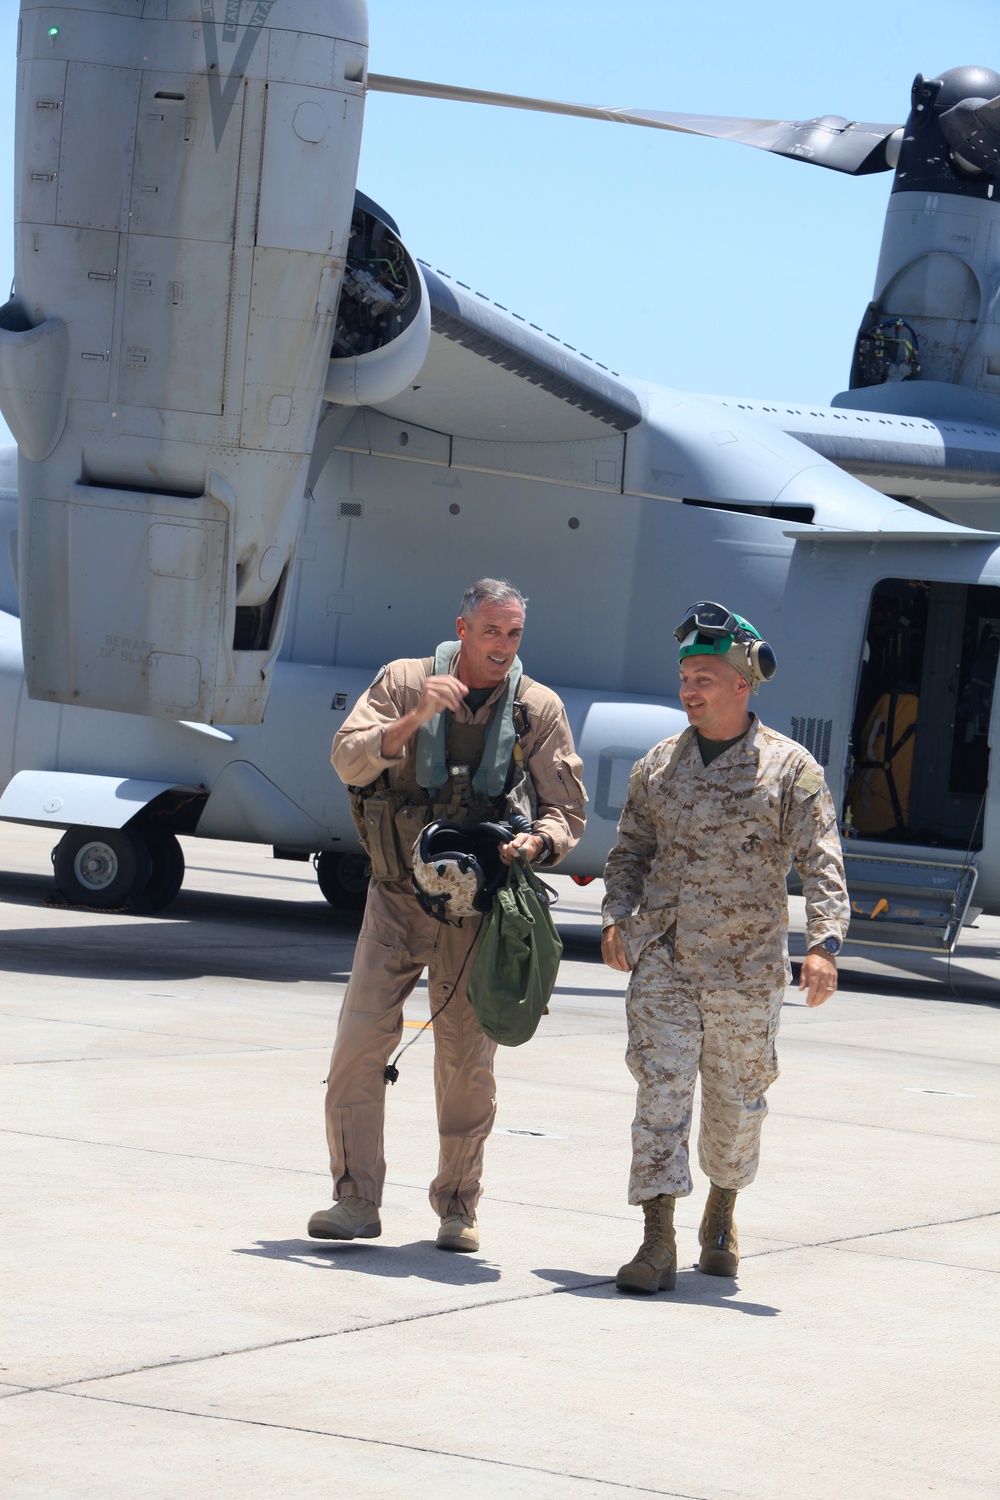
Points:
point(696, 907)
point(467, 738)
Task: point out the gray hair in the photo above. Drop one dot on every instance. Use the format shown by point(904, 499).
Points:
point(490, 591)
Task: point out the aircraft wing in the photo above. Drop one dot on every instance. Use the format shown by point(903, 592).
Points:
point(492, 376)
point(947, 465)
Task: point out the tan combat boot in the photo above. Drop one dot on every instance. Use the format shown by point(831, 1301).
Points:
point(458, 1232)
point(348, 1219)
point(720, 1246)
point(654, 1267)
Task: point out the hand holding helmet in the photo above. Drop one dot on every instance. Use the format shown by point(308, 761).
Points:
point(456, 871)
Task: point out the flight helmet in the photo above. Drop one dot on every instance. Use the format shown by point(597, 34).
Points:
point(456, 871)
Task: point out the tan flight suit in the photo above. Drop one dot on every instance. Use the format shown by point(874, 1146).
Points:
point(696, 883)
point(398, 939)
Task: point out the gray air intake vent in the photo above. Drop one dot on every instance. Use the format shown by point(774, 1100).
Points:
point(350, 510)
point(815, 735)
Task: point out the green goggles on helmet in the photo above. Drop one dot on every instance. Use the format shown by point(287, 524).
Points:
point(709, 629)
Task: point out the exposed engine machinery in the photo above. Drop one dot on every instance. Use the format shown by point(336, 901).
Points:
point(383, 318)
point(931, 325)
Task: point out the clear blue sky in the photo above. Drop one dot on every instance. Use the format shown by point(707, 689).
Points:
point(684, 261)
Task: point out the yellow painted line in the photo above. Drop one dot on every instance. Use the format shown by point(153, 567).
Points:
point(417, 1024)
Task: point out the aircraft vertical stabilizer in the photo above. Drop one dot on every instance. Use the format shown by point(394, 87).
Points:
point(184, 189)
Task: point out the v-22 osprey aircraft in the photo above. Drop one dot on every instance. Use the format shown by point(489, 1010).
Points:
point(262, 447)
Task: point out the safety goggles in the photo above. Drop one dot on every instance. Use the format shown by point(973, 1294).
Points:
point(711, 620)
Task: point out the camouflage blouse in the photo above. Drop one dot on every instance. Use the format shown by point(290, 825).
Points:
point(703, 853)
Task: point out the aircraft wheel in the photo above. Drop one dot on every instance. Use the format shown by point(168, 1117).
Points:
point(168, 868)
point(343, 879)
point(102, 867)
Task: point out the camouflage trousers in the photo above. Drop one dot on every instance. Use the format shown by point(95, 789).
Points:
point(675, 1031)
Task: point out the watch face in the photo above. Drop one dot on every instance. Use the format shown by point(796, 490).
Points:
point(832, 947)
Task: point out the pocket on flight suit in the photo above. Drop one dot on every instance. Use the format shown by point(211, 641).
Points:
point(410, 821)
point(383, 844)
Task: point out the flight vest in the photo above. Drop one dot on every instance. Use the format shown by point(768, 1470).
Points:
point(453, 772)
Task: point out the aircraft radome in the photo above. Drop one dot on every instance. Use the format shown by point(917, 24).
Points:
point(262, 448)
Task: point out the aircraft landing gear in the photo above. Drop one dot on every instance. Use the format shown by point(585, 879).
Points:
point(111, 868)
point(102, 867)
point(343, 879)
point(168, 868)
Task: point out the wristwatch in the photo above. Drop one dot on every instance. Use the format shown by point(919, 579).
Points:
point(832, 945)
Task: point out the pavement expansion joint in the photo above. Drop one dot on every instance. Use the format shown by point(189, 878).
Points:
point(926, 1135)
point(146, 1057)
point(373, 1442)
point(586, 1284)
point(177, 1036)
point(222, 1161)
point(876, 1234)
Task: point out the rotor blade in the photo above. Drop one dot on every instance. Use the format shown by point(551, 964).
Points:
point(828, 141)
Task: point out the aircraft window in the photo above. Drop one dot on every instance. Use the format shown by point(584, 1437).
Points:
point(920, 736)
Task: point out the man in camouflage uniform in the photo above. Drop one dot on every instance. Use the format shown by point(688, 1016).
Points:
point(696, 908)
point(446, 711)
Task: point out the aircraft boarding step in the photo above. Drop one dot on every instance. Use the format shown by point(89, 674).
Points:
point(907, 903)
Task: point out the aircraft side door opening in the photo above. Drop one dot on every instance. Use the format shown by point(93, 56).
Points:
point(920, 737)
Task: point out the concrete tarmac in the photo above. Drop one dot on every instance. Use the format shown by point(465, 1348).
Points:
point(170, 1329)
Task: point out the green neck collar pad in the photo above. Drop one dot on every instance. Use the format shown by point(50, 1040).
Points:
point(432, 737)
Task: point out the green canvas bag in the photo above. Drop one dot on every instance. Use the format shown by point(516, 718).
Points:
point(515, 969)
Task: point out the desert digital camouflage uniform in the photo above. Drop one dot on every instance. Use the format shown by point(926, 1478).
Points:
point(696, 883)
point(398, 939)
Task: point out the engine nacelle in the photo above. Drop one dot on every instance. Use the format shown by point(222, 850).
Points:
point(929, 343)
point(384, 319)
point(184, 194)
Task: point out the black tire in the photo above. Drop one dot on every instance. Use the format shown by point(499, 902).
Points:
point(343, 879)
point(168, 867)
point(102, 867)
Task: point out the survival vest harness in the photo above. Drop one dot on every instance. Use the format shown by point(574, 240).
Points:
point(453, 772)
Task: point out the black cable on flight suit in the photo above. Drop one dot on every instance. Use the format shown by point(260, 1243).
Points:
point(391, 1071)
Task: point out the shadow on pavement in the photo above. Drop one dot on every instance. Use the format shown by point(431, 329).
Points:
point(312, 929)
point(916, 985)
point(162, 953)
point(420, 1259)
point(692, 1288)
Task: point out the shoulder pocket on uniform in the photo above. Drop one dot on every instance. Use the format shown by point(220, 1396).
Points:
point(569, 772)
point(809, 782)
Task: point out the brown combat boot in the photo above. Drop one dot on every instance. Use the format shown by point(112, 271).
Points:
point(654, 1267)
point(720, 1245)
